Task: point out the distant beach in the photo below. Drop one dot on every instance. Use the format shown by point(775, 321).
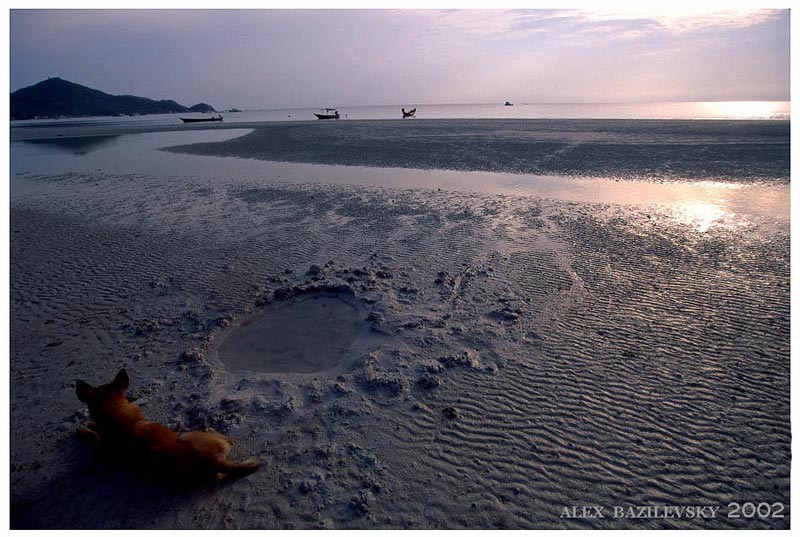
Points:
point(521, 315)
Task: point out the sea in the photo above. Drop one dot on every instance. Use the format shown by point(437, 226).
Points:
point(722, 110)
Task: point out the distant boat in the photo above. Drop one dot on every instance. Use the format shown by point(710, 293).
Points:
point(410, 113)
point(509, 104)
point(200, 119)
point(327, 114)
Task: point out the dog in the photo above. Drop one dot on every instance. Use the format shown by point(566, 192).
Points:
point(119, 425)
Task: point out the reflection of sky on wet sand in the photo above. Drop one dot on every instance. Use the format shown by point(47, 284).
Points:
point(731, 205)
point(701, 204)
point(701, 214)
point(78, 145)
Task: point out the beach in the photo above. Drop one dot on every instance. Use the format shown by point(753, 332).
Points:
point(512, 326)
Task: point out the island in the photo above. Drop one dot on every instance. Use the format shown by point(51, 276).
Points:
point(57, 98)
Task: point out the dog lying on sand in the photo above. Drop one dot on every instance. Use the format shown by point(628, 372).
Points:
point(187, 458)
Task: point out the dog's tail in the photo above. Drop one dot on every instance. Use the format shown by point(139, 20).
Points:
point(237, 469)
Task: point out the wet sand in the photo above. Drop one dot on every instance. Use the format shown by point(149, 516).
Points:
point(524, 354)
point(665, 149)
point(315, 333)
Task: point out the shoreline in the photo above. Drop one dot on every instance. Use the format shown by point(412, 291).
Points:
point(47, 131)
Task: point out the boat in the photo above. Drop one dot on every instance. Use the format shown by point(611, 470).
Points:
point(410, 113)
point(200, 119)
point(327, 114)
point(509, 104)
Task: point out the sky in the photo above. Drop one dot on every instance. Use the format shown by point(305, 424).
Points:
point(256, 59)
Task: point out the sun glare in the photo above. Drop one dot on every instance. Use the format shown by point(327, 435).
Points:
point(701, 214)
point(747, 109)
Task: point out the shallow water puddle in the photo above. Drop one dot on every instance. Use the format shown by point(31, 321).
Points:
point(309, 335)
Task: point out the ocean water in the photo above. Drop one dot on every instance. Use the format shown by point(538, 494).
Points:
point(730, 110)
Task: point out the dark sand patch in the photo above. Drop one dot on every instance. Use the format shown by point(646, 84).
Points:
point(312, 334)
point(717, 150)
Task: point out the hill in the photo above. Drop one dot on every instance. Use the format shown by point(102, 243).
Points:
point(56, 97)
point(202, 107)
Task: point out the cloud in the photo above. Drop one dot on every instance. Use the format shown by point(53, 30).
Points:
point(616, 24)
point(686, 19)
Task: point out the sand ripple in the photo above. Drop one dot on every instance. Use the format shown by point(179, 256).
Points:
point(529, 355)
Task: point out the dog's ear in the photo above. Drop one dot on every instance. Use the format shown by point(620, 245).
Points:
point(83, 391)
point(121, 381)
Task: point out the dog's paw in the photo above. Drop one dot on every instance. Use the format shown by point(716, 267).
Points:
point(88, 434)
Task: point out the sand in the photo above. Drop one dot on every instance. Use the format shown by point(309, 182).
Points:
point(665, 149)
point(510, 356)
point(315, 333)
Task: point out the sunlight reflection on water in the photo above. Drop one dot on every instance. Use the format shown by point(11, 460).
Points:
point(701, 214)
point(746, 109)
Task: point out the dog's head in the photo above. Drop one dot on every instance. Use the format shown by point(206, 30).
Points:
point(98, 397)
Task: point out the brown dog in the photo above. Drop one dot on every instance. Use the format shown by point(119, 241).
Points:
point(186, 459)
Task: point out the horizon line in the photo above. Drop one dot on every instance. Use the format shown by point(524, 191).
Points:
point(489, 103)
